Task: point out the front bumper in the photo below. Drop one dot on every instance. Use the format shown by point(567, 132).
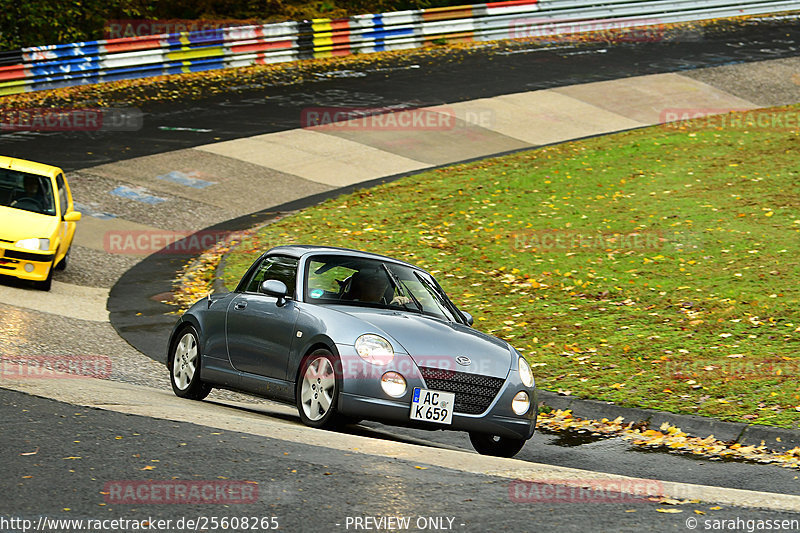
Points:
point(25, 265)
point(363, 397)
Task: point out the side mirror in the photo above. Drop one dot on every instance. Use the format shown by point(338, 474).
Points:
point(468, 318)
point(273, 287)
point(72, 216)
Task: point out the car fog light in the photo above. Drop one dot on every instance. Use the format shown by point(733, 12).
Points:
point(521, 403)
point(393, 384)
point(28, 267)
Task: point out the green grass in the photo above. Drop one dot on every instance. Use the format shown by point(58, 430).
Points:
point(698, 313)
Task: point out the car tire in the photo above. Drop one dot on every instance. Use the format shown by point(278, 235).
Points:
point(62, 265)
point(184, 366)
point(47, 284)
point(497, 446)
point(317, 391)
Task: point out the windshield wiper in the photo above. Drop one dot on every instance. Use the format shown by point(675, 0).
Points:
point(438, 293)
point(399, 288)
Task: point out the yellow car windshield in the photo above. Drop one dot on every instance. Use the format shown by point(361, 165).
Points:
point(28, 192)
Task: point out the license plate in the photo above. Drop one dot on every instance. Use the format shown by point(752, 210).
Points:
point(432, 406)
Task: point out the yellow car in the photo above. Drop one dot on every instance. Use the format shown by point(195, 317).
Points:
point(37, 220)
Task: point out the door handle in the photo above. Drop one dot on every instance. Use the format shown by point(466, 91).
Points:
point(240, 305)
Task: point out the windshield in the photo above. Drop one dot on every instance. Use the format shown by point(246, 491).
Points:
point(28, 192)
point(373, 283)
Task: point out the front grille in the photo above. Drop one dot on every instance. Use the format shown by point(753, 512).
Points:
point(474, 392)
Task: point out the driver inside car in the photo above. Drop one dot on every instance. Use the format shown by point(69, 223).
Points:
point(32, 192)
point(373, 286)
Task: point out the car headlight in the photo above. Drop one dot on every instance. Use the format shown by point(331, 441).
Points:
point(521, 403)
point(525, 373)
point(33, 244)
point(374, 349)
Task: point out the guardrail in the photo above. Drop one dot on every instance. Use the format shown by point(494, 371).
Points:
point(54, 66)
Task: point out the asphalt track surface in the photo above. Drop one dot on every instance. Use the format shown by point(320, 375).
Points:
point(73, 453)
point(362, 486)
point(78, 451)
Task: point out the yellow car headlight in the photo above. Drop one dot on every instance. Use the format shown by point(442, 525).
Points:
point(33, 244)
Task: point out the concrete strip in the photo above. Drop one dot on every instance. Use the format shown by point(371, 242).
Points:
point(541, 117)
point(232, 184)
point(433, 135)
point(97, 234)
point(315, 156)
point(255, 420)
point(63, 299)
point(648, 99)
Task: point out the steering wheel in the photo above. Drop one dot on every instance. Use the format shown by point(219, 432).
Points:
point(28, 203)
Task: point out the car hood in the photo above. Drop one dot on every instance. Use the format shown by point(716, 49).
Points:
point(435, 343)
point(16, 224)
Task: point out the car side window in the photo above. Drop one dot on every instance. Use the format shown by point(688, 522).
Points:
point(62, 193)
point(275, 267)
point(329, 283)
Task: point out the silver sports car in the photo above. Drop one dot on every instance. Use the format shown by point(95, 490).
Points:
point(347, 336)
